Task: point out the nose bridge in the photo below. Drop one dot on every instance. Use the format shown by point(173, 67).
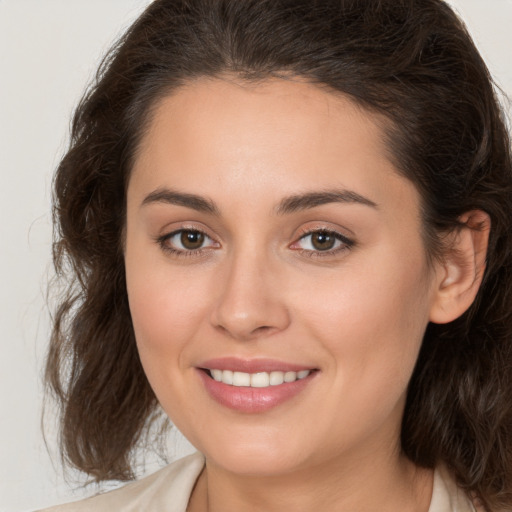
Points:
point(249, 303)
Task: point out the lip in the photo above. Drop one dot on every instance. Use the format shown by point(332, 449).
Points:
point(251, 400)
point(251, 365)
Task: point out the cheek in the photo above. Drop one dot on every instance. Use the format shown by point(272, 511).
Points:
point(390, 295)
point(164, 311)
point(166, 306)
point(167, 312)
point(371, 321)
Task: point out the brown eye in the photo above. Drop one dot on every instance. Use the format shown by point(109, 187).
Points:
point(323, 240)
point(191, 240)
point(186, 241)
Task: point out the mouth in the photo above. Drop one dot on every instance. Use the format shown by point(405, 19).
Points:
point(254, 386)
point(256, 380)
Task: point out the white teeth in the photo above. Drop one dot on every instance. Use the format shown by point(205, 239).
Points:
point(257, 380)
point(241, 379)
point(217, 375)
point(227, 377)
point(260, 380)
point(290, 376)
point(276, 378)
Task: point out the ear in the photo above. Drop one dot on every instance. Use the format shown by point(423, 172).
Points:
point(461, 271)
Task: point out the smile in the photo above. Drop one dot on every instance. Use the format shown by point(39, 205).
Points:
point(254, 386)
point(257, 380)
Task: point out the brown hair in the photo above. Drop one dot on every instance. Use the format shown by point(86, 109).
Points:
point(410, 60)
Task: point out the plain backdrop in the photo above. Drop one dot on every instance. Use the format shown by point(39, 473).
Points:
point(49, 50)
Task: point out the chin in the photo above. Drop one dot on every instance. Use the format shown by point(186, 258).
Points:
point(251, 457)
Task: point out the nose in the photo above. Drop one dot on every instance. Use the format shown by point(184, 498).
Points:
point(251, 303)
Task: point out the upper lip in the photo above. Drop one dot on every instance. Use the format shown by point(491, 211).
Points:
point(252, 365)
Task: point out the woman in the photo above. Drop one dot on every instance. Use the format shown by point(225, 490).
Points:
point(288, 225)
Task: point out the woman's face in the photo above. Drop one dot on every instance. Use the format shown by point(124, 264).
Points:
point(268, 233)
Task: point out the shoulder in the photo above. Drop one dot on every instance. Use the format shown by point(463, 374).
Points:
point(167, 489)
point(447, 496)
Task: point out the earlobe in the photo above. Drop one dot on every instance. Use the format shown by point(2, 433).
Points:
point(461, 272)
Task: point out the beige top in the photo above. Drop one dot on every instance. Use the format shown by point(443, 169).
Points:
point(169, 490)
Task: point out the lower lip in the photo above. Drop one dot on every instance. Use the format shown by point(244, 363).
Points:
point(253, 400)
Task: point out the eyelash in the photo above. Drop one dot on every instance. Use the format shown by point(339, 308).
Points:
point(181, 253)
point(346, 243)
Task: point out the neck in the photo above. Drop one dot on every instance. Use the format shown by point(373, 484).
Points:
point(390, 484)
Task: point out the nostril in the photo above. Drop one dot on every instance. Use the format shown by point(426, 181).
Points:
point(262, 329)
point(245, 332)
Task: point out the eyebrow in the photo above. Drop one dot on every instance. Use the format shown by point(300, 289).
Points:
point(192, 201)
point(309, 200)
point(290, 204)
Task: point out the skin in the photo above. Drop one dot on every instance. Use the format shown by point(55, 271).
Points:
point(258, 290)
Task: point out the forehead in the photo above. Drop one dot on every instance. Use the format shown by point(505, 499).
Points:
point(265, 137)
point(216, 108)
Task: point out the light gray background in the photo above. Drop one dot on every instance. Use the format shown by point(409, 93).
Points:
point(49, 49)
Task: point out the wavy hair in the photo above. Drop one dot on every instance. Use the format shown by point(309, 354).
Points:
point(413, 62)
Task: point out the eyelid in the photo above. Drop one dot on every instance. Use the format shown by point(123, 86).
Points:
point(346, 242)
point(343, 233)
point(163, 240)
